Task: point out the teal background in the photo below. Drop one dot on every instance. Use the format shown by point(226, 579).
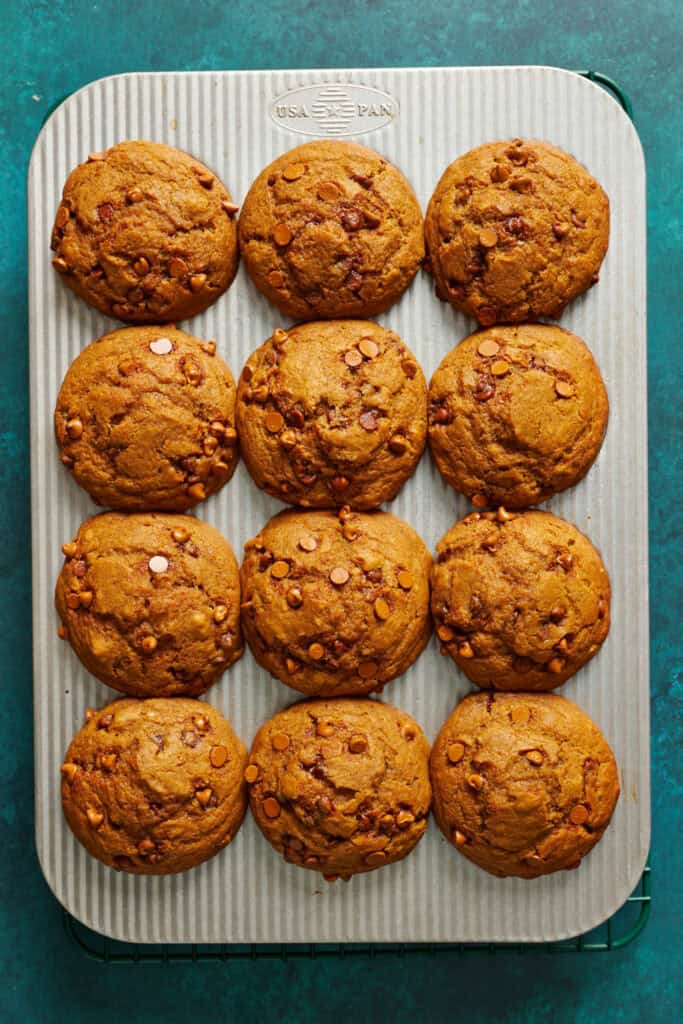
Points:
point(48, 50)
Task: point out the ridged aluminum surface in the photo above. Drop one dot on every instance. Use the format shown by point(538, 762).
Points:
point(248, 893)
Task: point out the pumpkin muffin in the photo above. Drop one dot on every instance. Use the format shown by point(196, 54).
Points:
point(516, 414)
point(336, 604)
point(515, 230)
point(524, 784)
point(520, 602)
point(340, 786)
point(331, 229)
point(145, 233)
point(332, 412)
point(151, 603)
point(154, 787)
point(145, 420)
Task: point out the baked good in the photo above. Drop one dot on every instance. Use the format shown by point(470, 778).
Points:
point(151, 602)
point(145, 233)
point(340, 786)
point(520, 601)
point(331, 229)
point(156, 786)
point(145, 419)
point(515, 230)
point(332, 412)
point(516, 414)
point(336, 604)
point(524, 784)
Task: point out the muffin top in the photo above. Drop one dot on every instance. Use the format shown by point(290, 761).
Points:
point(145, 420)
point(520, 601)
point(336, 604)
point(340, 786)
point(153, 787)
point(331, 229)
point(145, 233)
point(151, 603)
point(515, 230)
point(516, 414)
point(332, 412)
point(524, 784)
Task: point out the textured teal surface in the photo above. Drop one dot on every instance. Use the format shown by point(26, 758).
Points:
point(48, 50)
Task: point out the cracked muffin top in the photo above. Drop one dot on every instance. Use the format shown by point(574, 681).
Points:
point(336, 604)
point(154, 787)
point(145, 420)
point(340, 786)
point(520, 601)
point(515, 230)
point(331, 229)
point(332, 412)
point(516, 414)
point(145, 233)
point(151, 603)
point(524, 784)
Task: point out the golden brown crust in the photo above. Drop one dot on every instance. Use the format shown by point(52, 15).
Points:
point(520, 601)
point(517, 414)
point(340, 786)
point(154, 787)
point(336, 604)
point(515, 230)
point(331, 229)
point(145, 233)
point(145, 420)
point(524, 784)
point(151, 603)
point(331, 413)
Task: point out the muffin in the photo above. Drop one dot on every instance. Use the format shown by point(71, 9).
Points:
point(520, 602)
point(515, 230)
point(154, 787)
point(524, 784)
point(332, 412)
point(145, 420)
point(151, 603)
point(516, 414)
point(336, 604)
point(340, 786)
point(145, 233)
point(331, 229)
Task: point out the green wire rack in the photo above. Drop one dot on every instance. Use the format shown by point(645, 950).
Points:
point(615, 933)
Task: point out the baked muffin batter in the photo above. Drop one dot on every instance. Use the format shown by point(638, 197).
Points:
point(336, 604)
point(332, 412)
point(154, 787)
point(524, 784)
point(331, 229)
point(145, 419)
point(145, 233)
point(520, 601)
point(340, 786)
point(151, 603)
point(515, 230)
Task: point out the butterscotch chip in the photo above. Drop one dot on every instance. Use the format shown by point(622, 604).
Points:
point(405, 580)
point(144, 195)
point(455, 752)
point(564, 389)
point(488, 347)
point(251, 773)
point(342, 416)
point(523, 821)
point(356, 231)
point(502, 599)
point(280, 570)
point(148, 418)
point(492, 238)
point(350, 803)
point(345, 633)
point(280, 741)
point(176, 593)
point(445, 634)
point(282, 234)
point(144, 756)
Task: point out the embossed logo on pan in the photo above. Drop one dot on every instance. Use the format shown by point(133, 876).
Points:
point(334, 109)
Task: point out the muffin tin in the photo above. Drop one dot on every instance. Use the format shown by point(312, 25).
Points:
point(237, 122)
